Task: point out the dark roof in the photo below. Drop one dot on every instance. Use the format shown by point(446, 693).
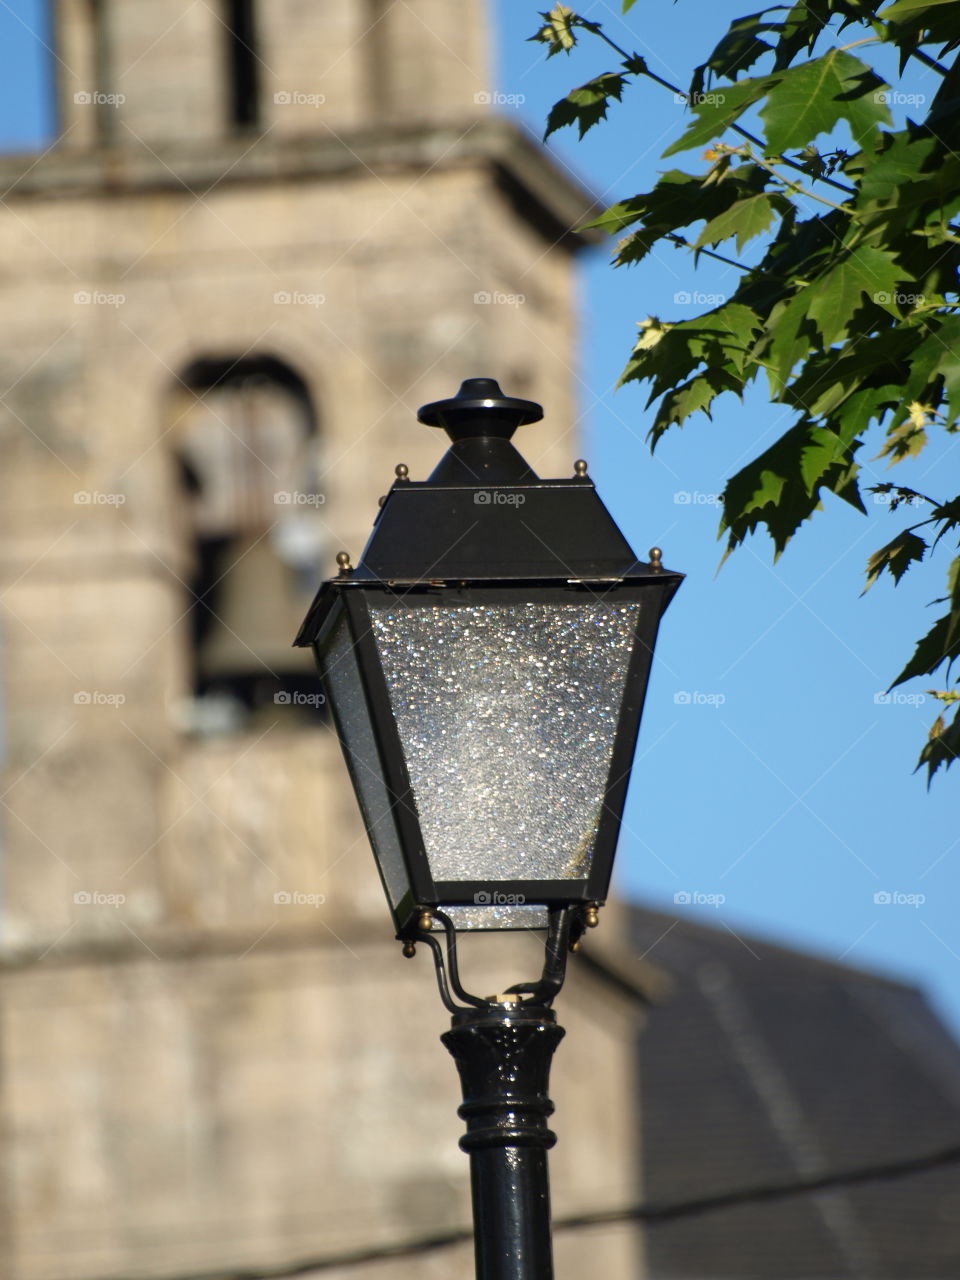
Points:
point(764, 1065)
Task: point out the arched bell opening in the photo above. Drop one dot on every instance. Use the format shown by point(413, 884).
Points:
point(246, 444)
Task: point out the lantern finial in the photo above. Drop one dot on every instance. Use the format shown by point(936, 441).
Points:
point(480, 409)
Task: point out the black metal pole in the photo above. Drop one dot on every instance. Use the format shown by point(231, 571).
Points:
point(503, 1054)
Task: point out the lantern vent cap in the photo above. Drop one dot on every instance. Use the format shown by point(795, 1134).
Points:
point(480, 409)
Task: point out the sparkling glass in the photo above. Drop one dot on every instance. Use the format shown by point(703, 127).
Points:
point(498, 917)
point(507, 715)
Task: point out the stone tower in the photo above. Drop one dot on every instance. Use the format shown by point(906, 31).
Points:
point(266, 233)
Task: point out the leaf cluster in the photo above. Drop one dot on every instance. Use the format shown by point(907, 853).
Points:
point(848, 305)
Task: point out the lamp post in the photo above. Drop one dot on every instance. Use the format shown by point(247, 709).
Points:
point(486, 663)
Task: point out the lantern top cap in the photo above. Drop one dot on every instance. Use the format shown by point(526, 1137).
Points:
point(480, 409)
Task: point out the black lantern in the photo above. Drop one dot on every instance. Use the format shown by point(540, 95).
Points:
point(486, 663)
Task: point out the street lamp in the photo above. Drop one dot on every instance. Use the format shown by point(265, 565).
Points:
point(486, 664)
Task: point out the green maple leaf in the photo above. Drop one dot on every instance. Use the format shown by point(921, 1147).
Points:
point(943, 746)
point(745, 219)
point(719, 111)
point(884, 177)
point(812, 98)
point(775, 489)
point(824, 449)
point(736, 52)
point(693, 396)
point(786, 342)
point(587, 105)
point(943, 24)
point(906, 441)
point(856, 409)
point(619, 215)
point(940, 644)
point(837, 294)
point(721, 339)
point(558, 31)
point(722, 336)
point(896, 557)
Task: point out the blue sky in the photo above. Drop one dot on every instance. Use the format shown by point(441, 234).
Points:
point(767, 773)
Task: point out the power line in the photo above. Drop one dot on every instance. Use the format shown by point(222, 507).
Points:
point(647, 1213)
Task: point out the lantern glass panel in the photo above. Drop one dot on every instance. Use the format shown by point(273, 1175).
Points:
point(507, 714)
point(498, 915)
point(341, 676)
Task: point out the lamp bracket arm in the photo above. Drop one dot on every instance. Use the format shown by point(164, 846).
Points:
point(563, 920)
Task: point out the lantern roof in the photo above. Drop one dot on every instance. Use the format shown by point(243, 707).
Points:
point(484, 517)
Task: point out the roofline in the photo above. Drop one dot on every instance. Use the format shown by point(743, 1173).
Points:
point(797, 955)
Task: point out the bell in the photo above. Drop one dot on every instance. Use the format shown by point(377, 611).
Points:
point(252, 612)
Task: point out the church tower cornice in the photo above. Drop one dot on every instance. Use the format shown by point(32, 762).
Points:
point(541, 190)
